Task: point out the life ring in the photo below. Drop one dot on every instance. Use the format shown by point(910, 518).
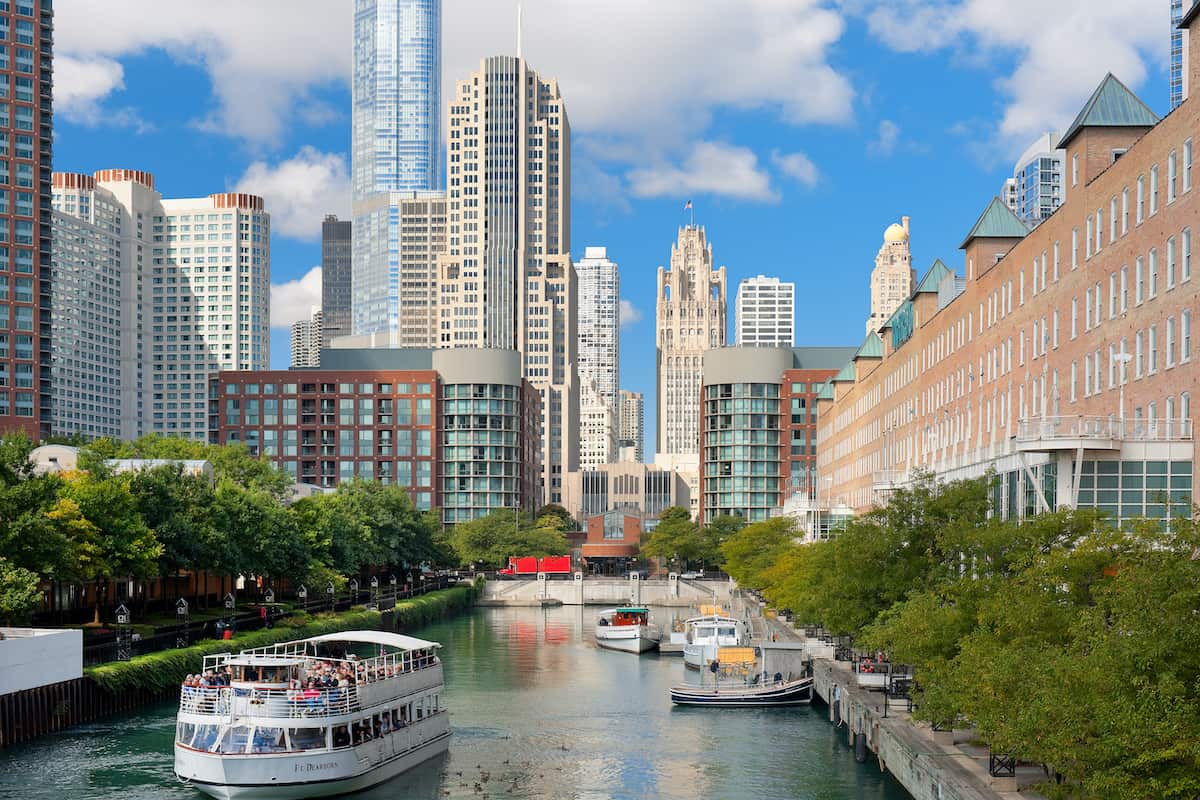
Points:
point(866, 666)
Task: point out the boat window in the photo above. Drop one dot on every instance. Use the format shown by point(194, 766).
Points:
point(234, 740)
point(308, 738)
point(728, 631)
point(206, 735)
point(341, 736)
point(704, 631)
point(267, 740)
point(185, 733)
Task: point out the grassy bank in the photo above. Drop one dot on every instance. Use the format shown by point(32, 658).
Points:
point(165, 670)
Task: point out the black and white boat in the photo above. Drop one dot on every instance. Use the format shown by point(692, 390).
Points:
point(795, 692)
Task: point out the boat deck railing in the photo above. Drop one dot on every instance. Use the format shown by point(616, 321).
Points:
point(226, 701)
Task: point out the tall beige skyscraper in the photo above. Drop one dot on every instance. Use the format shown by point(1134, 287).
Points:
point(632, 424)
point(506, 279)
point(690, 318)
point(893, 279)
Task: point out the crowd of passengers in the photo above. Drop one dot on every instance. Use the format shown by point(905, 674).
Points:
point(323, 674)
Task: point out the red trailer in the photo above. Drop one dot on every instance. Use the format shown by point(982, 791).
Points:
point(530, 565)
point(555, 565)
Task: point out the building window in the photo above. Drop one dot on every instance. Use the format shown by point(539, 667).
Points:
point(1139, 281)
point(1187, 165)
point(1056, 261)
point(1137, 355)
point(1074, 169)
point(1185, 255)
point(1172, 170)
point(1124, 289)
point(1074, 379)
point(1152, 351)
point(1074, 317)
point(1154, 190)
point(1141, 199)
point(1087, 239)
point(1099, 229)
point(1112, 219)
point(1125, 211)
point(1152, 266)
point(1087, 375)
point(1185, 336)
point(1074, 247)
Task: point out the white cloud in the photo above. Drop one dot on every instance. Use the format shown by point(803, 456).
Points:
point(797, 166)
point(710, 168)
point(629, 313)
point(264, 58)
point(299, 192)
point(885, 143)
point(293, 300)
point(635, 78)
point(1053, 60)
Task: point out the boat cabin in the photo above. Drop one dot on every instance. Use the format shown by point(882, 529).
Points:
point(631, 616)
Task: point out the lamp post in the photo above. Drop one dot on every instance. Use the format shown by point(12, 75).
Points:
point(181, 623)
point(124, 634)
point(302, 596)
point(353, 591)
point(231, 607)
point(392, 583)
point(329, 590)
point(375, 590)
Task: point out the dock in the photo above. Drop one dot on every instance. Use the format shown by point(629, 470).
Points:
point(931, 765)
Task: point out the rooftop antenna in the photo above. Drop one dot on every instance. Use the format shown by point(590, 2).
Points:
point(518, 29)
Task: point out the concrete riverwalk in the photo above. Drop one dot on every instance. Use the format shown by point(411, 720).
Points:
point(931, 765)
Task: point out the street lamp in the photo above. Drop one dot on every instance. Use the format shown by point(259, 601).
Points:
point(329, 590)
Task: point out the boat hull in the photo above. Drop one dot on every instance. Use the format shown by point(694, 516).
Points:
point(791, 693)
point(239, 783)
point(627, 638)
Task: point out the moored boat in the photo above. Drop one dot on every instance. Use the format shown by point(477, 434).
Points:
point(310, 718)
point(707, 634)
point(775, 693)
point(628, 628)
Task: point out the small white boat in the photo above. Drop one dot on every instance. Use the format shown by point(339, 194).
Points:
point(309, 719)
point(628, 629)
point(707, 634)
point(789, 692)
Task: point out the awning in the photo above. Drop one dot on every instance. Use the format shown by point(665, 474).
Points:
point(396, 640)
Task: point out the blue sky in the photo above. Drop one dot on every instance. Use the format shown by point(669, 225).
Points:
point(799, 128)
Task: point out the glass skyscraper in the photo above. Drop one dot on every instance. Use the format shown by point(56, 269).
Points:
point(397, 147)
point(1176, 54)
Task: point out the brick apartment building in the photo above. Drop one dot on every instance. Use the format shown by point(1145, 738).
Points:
point(458, 428)
point(1064, 360)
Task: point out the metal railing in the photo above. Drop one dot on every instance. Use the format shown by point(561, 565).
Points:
point(1038, 429)
point(224, 701)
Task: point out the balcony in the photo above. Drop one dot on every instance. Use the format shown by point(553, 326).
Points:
point(1097, 433)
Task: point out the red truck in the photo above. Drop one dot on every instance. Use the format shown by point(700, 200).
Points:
point(530, 565)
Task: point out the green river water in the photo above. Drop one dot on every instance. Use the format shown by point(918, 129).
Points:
point(535, 707)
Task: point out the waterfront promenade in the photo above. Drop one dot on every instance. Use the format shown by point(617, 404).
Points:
point(941, 765)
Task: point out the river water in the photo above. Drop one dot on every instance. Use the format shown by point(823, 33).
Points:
point(538, 711)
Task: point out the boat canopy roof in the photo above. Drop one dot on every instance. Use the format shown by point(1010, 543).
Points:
point(396, 640)
point(711, 618)
point(627, 610)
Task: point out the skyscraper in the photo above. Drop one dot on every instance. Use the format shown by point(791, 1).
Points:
point(1176, 53)
point(506, 280)
point(599, 347)
point(85, 310)
point(396, 151)
point(25, 269)
point(194, 277)
point(307, 335)
point(766, 312)
point(632, 423)
point(893, 279)
point(690, 318)
point(397, 96)
point(599, 322)
point(336, 296)
point(1036, 188)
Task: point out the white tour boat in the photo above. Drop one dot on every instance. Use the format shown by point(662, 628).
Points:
point(707, 634)
point(628, 629)
point(310, 718)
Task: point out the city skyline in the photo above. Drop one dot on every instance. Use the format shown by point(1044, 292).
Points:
point(737, 166)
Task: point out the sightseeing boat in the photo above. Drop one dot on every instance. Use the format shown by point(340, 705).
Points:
point(311, 718)
point(628, 629)
point(707, 634)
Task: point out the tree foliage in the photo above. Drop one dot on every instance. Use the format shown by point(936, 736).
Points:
point(1060, 639)
point(489, 541)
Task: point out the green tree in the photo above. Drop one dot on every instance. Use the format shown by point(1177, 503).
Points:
point(489, 541)
point(119, 541)
point(567, 522)
point(19, 593)
point(750, 552)
point(719, 530)
point(676, 538)
point(178, 508)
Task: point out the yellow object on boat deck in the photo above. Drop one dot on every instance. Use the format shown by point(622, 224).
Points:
point(735, 655)
point(709, 611)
